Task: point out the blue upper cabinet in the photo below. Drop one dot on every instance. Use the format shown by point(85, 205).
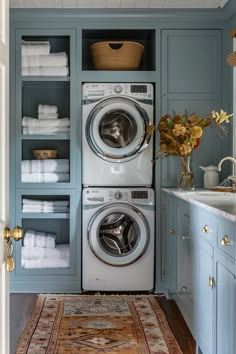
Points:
point(191, 81)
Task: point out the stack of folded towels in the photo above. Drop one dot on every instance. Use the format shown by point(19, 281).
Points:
point(39, 250)
point(36, 59)
point(48, 122)
point(51, 170)
point(45, 206)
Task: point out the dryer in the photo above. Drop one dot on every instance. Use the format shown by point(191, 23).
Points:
point(116, 149)
point(118, 239)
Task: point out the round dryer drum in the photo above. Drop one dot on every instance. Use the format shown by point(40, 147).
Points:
point(116, 129)
point(118, 234)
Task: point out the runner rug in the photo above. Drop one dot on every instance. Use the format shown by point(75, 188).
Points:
point(89, 324)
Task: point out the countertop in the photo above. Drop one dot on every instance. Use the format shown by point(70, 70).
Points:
point(222, 204)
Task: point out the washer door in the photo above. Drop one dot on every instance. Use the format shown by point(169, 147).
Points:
point(118, 234)
point(116, 129)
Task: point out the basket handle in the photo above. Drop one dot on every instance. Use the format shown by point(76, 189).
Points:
point(115, 42)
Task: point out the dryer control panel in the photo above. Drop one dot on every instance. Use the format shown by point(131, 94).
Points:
point(134, 90)
point(96, 196)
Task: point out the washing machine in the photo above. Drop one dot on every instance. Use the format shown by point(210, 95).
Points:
point(118, 239)
point(116, 149)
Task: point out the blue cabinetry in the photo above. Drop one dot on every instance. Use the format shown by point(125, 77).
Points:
point(216, 283)
point(180, 257)
point(191, 81)
point(41, 268)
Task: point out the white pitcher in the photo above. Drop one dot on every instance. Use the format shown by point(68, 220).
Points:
point(211, 176)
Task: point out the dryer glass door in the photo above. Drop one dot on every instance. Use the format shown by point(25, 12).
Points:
point(116, 129)
point(118, 234)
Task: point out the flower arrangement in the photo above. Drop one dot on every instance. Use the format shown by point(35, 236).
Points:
point(180, 134)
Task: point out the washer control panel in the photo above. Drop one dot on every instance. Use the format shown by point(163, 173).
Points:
point(134, 90)
point(95, 196)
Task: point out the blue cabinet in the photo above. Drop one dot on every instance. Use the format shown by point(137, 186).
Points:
point(216, 283)
point(45, 193)
point(191, 81)
point(180, 257)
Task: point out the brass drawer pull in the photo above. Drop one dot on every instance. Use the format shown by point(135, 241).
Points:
point(225, 241)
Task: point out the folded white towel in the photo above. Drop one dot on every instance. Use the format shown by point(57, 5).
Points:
point(45, 263)
point(44, 209)
point(47, 203)
point(52, 59)
point(42, 123)
point(45, 130)
point(35, 48)
point(48, 116)
point(45, 177)
point(34, 238)
point(45, 108)
point(43, 166)
point(60, 251)
point(46, 71)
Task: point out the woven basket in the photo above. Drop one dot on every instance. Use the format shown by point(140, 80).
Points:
point(231, 59)
point(126, 57)
point(45, 154)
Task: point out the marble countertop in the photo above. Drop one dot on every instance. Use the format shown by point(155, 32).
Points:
point(220, 203)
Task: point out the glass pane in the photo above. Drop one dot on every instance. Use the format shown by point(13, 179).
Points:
point(118, 234)
point(117, 128)
point(2, 141)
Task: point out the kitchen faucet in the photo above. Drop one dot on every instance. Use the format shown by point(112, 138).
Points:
point(232, 178)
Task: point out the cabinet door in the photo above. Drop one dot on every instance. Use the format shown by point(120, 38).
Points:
point(205, 298)
point(171, 245)
point(191, 81)
point(225, 305)
point(185, 264)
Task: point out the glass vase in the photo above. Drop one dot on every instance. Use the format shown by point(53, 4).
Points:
point(185, 180)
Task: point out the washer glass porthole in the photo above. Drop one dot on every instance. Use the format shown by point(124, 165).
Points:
point(118, 234)
point(118, 128)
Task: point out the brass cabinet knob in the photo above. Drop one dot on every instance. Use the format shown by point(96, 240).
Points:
point(205, 229)
point(172, 231)
point(16, 233)
point(225, 241)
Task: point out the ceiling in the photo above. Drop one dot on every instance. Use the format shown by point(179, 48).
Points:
point(145, 4)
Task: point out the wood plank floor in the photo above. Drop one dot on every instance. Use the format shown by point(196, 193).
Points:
point(21, 306)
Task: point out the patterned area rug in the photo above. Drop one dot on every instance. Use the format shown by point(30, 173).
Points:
point(89, 324)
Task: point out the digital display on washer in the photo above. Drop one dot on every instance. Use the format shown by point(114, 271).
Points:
point(138, 88)
point(139, 194)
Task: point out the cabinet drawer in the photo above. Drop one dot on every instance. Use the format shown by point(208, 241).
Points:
point(226, 237)
point(208, 227)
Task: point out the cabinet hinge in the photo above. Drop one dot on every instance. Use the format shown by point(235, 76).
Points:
point(212, 282)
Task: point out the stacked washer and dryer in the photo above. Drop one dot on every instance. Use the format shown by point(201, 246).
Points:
point(118, 204)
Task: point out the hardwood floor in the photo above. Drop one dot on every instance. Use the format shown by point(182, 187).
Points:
point(21, 306)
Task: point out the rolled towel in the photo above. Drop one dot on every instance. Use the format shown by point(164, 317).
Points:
point(48, 116)
point(42, 123)
point(45, 263)
point(45, 108)
point(45, 130)
point(34, 238)
point(52, 59)
point(45, 166)
point(35, 48)
point(46, 71)
point(45, 177)
point(58, 252)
